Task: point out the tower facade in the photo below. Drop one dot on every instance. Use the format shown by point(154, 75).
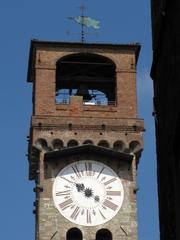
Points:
point(85, 140)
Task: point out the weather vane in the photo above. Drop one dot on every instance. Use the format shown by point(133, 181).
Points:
point(85, 21)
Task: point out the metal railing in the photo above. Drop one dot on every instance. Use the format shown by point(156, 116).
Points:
point(64, 99)
point(100, 103)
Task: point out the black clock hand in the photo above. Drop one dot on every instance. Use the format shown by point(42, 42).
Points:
point(88, 192)
point(96, 198)
point(80, 187)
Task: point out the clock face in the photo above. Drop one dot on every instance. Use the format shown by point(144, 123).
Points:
point(88, 193)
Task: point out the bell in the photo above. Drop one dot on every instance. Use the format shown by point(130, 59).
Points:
point(83, 91)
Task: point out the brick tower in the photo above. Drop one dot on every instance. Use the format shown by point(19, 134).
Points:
point(85, 140)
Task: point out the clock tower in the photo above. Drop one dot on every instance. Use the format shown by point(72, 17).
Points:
point(85, 140)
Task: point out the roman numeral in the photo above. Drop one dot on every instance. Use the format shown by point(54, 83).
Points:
point(67, 180)
point(100, 172)
point(113, 193)
point(88, 216)
point(66, 204)
point(110, 205)
point(110, 181)
point(63, 193)
point(88, 167)
point(76, 171)
point(102, 214)
point(75, 213)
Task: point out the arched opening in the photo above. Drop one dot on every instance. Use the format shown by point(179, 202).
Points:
point(57, 144)
point(133, 146)
point(103, 234)
point(103, 143)
point(72, 143)
point(88, 141)
point(41, 144)
point(74, 234)
point(88, 75)
point(119, 146)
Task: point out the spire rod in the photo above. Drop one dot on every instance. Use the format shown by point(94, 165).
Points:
point(82, 8)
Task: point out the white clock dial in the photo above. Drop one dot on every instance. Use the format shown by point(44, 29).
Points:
point(88, 193)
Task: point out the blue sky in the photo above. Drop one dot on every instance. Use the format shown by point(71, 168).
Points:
point(21, 20)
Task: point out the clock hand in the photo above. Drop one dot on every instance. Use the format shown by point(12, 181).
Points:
point(96, 198)
point(80, 187)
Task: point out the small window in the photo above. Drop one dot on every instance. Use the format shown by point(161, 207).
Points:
point(74, 234)
point(88, 75)
point(57, 144)
point(119, 146)
point(72, 143)
point(41, 144)
point(103, 143)
point(133, 146)
point(88, 142)
point(103, 234)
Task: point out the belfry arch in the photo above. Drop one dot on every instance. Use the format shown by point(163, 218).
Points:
point(91, 76)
